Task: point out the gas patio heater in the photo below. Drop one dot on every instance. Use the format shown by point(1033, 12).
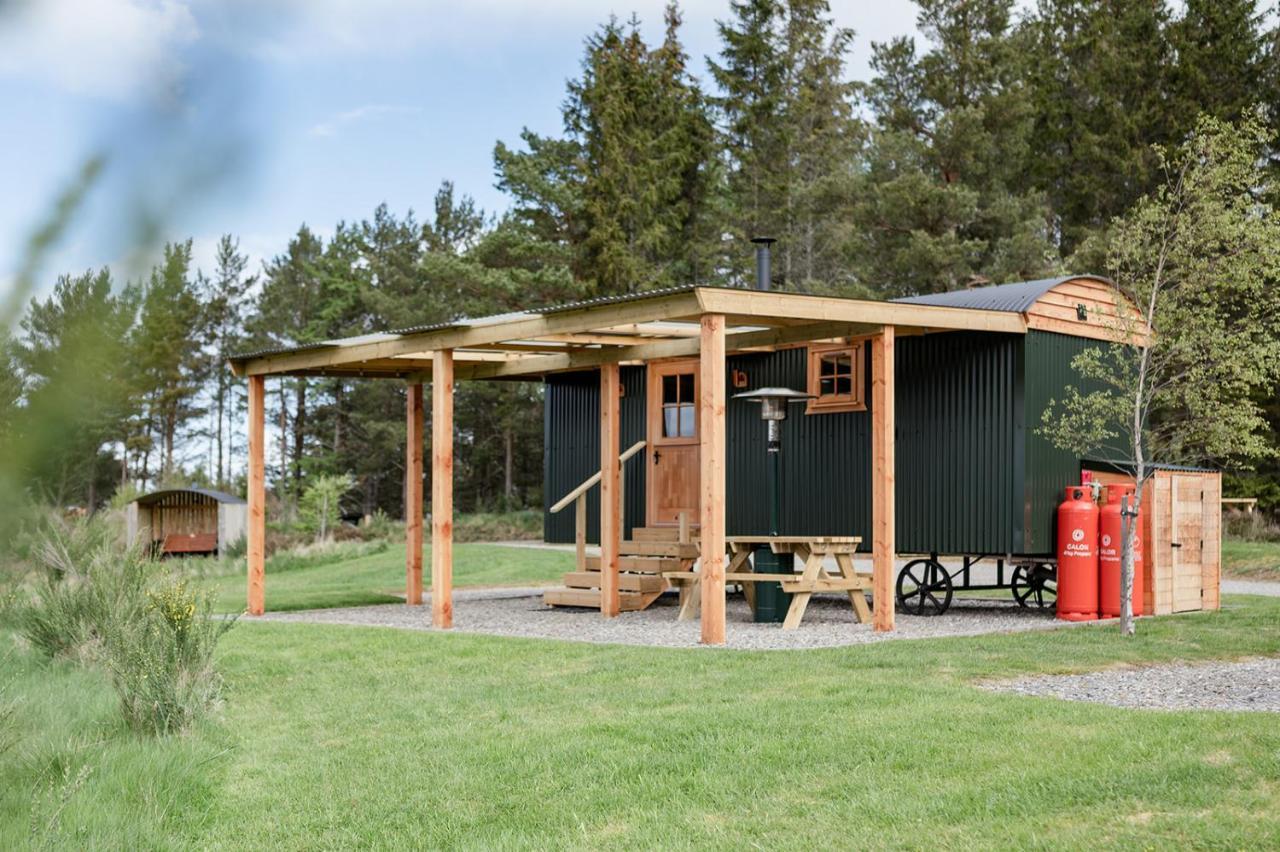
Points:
point(771, 601)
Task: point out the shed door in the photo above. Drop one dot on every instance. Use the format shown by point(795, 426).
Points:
point(673, 436)
point(1187, 542)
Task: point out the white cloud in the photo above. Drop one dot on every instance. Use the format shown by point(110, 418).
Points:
point(334, 123)
point(106, 48)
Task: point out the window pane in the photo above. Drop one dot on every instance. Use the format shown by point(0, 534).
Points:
point(844, 386)
point(686, 387)
point(686, 421)
point(826, 386)
point(669, 390)
point(843, 362)
point(670, 422)
point(826, 366)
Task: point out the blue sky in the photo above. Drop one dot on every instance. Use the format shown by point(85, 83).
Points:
point(253, 117)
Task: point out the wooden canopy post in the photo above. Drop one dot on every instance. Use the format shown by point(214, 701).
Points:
point(257, 520)
point(882, 478)
point(442, 488)
point(413, 495)
point(711, 403)
point(610, 484)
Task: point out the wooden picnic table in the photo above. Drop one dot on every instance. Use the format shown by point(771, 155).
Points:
point(811, 551)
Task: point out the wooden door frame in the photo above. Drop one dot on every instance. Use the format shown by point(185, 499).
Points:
point(653, 426)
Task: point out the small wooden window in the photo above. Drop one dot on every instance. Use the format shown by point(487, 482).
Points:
point(678, 414)
point(837, 377)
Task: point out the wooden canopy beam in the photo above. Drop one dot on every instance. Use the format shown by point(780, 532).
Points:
point(711, 402)
point(764, 304)
point(530, 327)
point(610, 487)
point(442, 491)
point(413, 494)
point(256, 534)
point(673, 348)
point(883, 521)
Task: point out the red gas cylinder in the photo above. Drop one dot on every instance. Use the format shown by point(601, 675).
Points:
point(1110, 530)
point(1078, 555)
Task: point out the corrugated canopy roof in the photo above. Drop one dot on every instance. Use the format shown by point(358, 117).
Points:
point(644, 326)
point(1016, 298)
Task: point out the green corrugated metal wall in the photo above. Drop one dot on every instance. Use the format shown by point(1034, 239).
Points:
point(571, 443)
point(965, 441)
point(956, 442)
point(1048, 469)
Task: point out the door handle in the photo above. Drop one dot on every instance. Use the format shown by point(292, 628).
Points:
point(1175, 544)
point(657, 454)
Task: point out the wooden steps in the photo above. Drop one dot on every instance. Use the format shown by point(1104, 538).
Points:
point(659, 548)
point(639, 564)
point(626, 582)
point(643, 559)
point(628, 601)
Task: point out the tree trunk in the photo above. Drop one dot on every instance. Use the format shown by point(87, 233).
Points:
point(337, 418)
point(509, 489)
point(286, 498)
point(220, 477)
point(299, 432)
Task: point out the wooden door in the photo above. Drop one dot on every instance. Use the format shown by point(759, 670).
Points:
point(673, 435)
point(1187, 542)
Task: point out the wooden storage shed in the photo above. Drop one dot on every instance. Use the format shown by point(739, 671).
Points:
point(186, 521)
point(1182, 535)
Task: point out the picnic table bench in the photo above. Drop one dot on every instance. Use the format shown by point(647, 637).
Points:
point(811, 551)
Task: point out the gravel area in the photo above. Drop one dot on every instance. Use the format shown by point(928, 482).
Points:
point(1245, 685)
point(828, 622)
point(1269, 588)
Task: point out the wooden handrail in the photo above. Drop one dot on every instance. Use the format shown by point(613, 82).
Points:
point(594, 478)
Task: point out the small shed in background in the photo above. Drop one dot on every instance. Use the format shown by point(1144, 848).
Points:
point(1182, 535)
point(196, 521)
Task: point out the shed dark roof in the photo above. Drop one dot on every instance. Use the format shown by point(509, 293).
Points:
point(1014, 298)
point(157, 496)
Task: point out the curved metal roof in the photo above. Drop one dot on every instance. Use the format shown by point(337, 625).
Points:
point(157, 496)
point(1014, 298)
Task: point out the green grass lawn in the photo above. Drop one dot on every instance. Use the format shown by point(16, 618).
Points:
point(379, 577)
point(1258, 560)
point(338, 737)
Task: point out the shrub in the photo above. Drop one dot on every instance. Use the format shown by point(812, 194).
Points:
point(155, 636)
point(1250, 526)
point(320, 509)
point(524, 524)
point(161, 663)
point(84, 582)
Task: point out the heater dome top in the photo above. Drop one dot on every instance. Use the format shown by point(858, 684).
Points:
point(787, 394)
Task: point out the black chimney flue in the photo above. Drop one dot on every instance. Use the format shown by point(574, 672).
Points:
point(764, 275)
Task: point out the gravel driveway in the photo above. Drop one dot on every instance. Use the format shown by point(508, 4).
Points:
point(1245, 685)
point(828, 622)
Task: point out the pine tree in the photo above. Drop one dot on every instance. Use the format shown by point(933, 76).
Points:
point(71, 357)
point(643, 141)
point(1099, 74)
point(1220, 61)
point(945, 200)
point(288, 314)
point(167, 343)
point(751, 76)
point(225, 306)
point(789, 135)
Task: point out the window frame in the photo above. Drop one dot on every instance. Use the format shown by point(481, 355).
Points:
point(856, 400)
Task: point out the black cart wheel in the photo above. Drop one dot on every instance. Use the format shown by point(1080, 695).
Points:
point(924, 588)
point(1035, 586)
